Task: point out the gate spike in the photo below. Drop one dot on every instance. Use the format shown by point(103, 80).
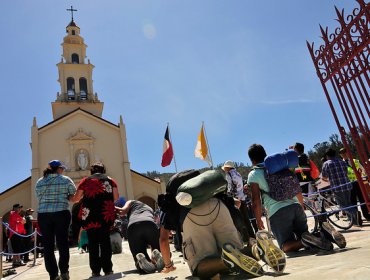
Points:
point(339, 13)
point(324, 32)
point(340, 16)
point(309, 45)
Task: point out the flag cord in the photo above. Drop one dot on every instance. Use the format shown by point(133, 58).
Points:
point(209, 150)
point(173, 149)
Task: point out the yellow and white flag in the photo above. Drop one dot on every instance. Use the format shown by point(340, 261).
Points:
point(201, 149)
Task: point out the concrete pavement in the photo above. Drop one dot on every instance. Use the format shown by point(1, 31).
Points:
point(352, 262)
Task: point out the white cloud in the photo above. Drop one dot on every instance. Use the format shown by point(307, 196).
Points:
point(149, 30)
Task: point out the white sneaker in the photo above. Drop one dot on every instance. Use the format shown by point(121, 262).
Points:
point(144, 264)
point(157, 259)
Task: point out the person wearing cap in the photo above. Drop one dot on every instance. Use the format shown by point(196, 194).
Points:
point(54, 191)
point(97, 194)
point(29, 230)
point(16, 224)
point(356, 193)
point(235, 188)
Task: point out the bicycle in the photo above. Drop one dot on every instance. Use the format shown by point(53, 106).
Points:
point(321, 206)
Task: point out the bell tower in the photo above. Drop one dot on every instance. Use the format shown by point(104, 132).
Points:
point(75, 76)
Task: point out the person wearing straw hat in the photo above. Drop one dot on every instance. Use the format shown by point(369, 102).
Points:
point(235, 188)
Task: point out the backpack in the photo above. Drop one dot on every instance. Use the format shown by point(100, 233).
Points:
point(167, 202)
point(280, 161)
point(199, 189)
point(283, 185)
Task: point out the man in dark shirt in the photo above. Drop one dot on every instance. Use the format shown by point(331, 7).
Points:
point(303, 170)
point(29, 229)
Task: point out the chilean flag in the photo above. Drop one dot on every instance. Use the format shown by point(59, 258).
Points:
point(167, 149)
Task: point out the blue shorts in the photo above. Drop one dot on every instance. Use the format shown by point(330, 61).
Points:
point(288, 223)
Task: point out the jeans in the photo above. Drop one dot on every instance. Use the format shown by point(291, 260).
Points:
point(55, 226)
point(100, 250)
point(343, 199)
point(288, 223)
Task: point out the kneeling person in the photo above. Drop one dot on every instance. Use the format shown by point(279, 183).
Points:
point(141, 232)
point(287, 218)
point(212, 244)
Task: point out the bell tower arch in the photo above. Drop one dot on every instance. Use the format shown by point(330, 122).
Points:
point(75, 76)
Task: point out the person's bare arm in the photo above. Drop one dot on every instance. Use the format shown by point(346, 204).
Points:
point(123, 210)
point(164, 244)
point(300, 199)
point(257, 205)
point(115, 194)
point(77, 196)
point(237, 202)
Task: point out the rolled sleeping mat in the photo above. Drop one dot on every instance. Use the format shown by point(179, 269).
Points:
point(199, 189)
point(177, 179)
point(280, 161)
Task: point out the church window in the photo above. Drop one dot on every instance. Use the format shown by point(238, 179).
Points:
point(83, 88)
point(73, 32)
point(71, 88)
point(75, 58)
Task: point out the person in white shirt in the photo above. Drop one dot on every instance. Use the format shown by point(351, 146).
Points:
point(235, 188)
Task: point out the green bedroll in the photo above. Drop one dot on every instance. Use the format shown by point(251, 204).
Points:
point(199, 189)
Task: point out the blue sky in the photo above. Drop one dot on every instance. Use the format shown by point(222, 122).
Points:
point(240, 66)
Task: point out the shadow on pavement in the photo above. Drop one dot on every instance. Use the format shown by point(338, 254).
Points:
point(114, 276)
point(318, 252)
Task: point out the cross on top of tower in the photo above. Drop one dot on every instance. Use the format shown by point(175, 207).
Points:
point(72, 10)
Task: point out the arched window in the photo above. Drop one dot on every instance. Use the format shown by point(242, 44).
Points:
point(83, 88)
point(75, 58)
point(71, 88)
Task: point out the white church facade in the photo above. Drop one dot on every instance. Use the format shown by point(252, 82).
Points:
point(78, 135)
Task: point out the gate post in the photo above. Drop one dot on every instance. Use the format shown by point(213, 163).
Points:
point(34, 246)
point(1, 248)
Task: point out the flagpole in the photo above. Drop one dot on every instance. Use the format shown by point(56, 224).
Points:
point(209, 150)
point(169, 134)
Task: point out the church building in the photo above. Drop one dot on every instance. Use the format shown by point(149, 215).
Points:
point(78, 135)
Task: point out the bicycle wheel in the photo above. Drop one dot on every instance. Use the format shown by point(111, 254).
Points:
point(312, 220)
point(341, 219)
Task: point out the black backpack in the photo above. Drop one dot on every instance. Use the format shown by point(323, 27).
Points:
point(167, 202)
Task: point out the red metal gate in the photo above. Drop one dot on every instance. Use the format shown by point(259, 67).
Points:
point(342, 65)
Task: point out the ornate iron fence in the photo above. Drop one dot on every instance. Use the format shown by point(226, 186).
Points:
point(342, 65)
